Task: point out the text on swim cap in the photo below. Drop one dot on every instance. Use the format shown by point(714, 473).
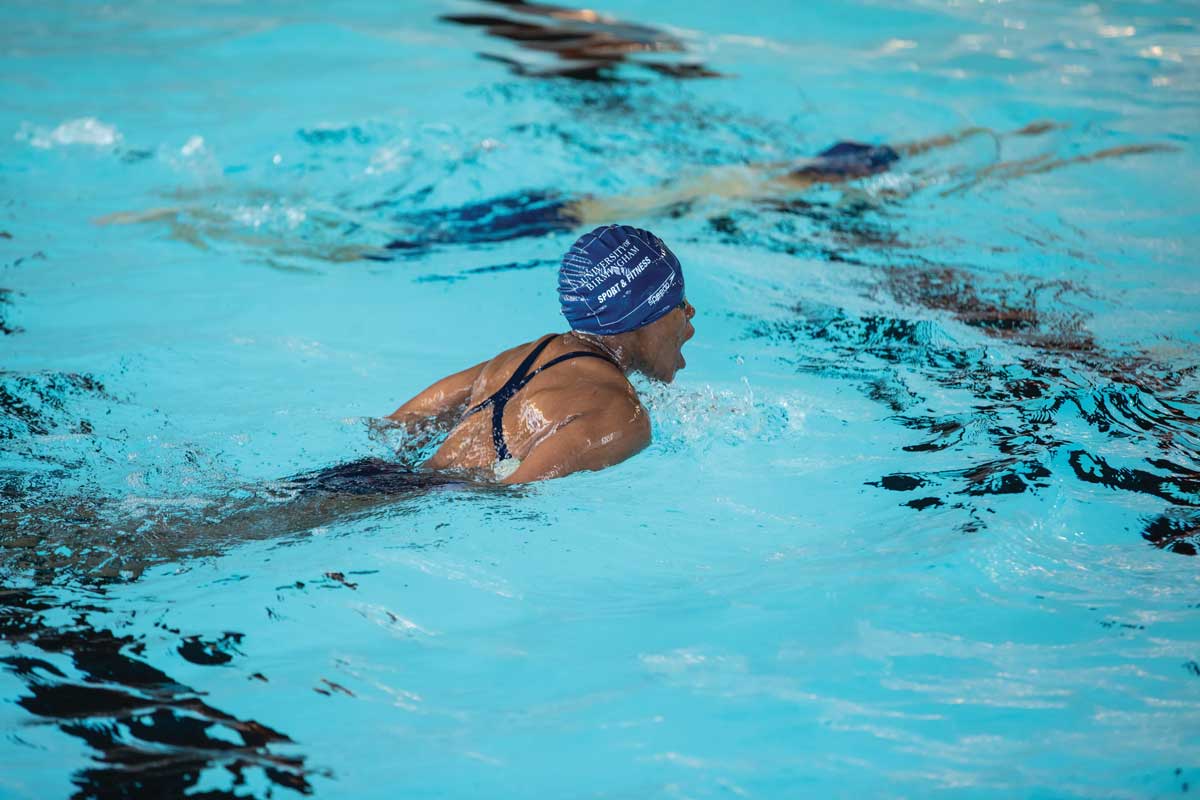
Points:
point(662, 290)
point(608, 265)
point(623, 283)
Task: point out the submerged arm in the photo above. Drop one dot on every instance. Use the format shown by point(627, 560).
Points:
point(588, 441)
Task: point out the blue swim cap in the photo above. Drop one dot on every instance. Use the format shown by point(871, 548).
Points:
point(618, 278)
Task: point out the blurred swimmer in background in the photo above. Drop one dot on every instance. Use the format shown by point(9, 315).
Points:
point(540, 212)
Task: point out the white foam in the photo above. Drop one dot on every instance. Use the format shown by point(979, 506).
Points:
point(700, 415)
point(85, 131)
point(388, 159)
point(193, 146)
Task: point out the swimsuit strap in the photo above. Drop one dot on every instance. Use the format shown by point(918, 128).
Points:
point(517, 385)
point(520, 378)
point(565, 357)
point(504, 392)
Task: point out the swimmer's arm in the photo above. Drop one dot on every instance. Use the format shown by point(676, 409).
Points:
point(443, 402)
point(589, 441)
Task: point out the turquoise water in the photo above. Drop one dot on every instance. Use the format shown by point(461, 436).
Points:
point(918, 517)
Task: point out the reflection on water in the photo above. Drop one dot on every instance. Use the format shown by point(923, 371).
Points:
point(1015, 406)
point(6, 328)
point(585, 45)
point(153, 737)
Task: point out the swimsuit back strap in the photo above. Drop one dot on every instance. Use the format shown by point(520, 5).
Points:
point(566, 357)
point(501, 446)
point(502, 451)
point(500, 397)
point(520, 372)
point(520, 378)
point(505, 391)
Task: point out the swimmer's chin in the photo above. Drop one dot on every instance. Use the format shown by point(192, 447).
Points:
point(671, 378)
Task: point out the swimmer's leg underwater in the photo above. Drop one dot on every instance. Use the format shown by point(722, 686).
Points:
point(111, 536)
point(332, 494)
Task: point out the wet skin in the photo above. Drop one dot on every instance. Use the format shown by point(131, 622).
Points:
point(583, 414)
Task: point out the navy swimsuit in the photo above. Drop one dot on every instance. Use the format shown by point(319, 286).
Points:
point(516, 383)
point(849, 160)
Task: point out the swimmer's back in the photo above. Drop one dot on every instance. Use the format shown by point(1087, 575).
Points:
point(552, 399)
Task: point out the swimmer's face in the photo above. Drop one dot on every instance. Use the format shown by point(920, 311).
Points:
point(665, 340)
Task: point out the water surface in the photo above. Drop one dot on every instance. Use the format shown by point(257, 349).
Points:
point(918, 518)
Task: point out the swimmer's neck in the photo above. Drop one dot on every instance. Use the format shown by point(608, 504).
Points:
point(618, 347)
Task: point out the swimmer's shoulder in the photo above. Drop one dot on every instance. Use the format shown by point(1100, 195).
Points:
point(587, 388)
point(607, 429)
point(595, 379)
point(611, 408)
point(500, 367)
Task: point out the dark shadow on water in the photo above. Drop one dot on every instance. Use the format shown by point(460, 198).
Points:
point(36, 404)
point(516, 216)
point(1058, 373)
point(580, 44)
point(7, 328)
point(153, 737)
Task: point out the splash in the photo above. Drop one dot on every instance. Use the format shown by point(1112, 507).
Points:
point(83, 131)
point(699, 418)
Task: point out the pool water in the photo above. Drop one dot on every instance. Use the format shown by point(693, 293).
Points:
point(919, 517)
